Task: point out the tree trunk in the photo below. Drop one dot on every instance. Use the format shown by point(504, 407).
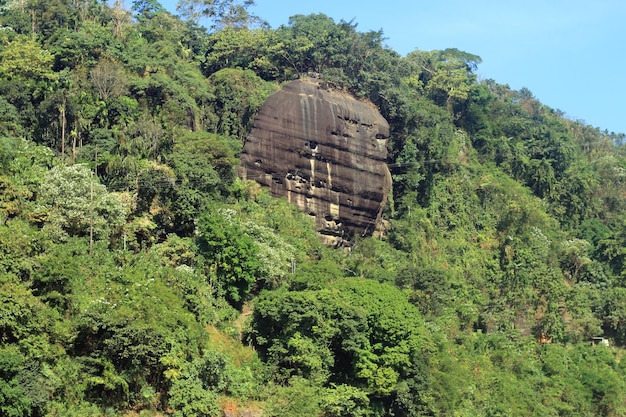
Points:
point(63, 126)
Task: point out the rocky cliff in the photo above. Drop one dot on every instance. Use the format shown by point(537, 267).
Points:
point(325, 151)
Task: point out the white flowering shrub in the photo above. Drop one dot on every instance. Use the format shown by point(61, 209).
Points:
point(275, 255)
point(71, 200)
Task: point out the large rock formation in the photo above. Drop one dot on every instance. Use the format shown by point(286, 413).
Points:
point(325, 151)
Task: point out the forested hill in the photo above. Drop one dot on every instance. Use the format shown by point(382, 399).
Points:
point(140, 277)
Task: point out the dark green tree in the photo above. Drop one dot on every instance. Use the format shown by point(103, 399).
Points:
point(230, 254)
point(356, 332)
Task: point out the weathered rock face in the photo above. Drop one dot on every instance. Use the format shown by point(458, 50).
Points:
point(325, 151)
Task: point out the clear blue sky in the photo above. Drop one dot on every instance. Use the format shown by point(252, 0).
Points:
point(571, 54)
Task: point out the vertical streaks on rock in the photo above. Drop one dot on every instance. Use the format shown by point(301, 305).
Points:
point(325, 152)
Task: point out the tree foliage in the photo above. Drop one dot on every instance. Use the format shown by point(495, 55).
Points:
point(230, 254)
point(354, 332)
point(139, 275)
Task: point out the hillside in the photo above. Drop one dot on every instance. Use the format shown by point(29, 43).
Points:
point(140, 276)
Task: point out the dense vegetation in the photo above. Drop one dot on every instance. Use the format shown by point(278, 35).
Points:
point(140, 276)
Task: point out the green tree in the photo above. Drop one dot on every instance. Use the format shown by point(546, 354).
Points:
point(51, 17)
point(223, 13)
point(133, 332)
point(344, 401)
point(24, 169)
point(24, 58)
point(204, 166)
point(241, 48)
point(14, 402)
point(147, 9)
point(445, 76)
point(238, 95)
point(230, 254)
point(355, 332)
point(28, 346)
point(84, 46)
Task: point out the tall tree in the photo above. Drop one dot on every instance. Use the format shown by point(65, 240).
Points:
point(445, 76)
point(222, 13)
point(147, 9)
point(24, 58)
